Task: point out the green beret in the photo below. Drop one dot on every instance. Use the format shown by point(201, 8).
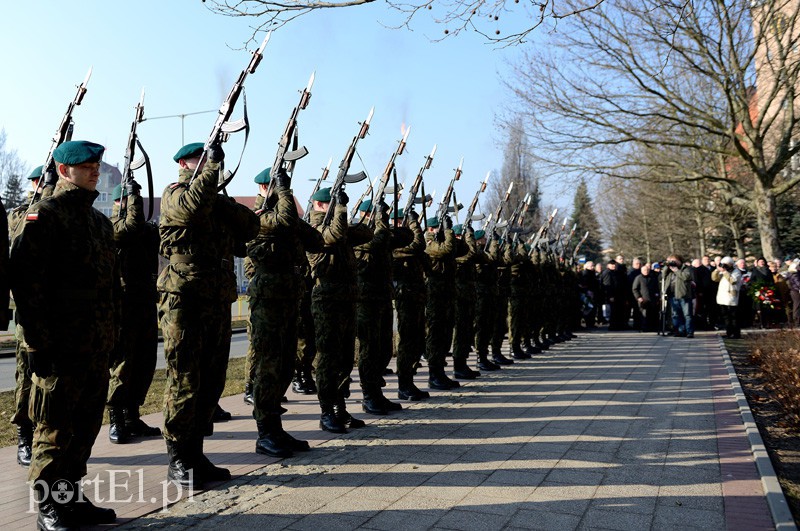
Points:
point(432, 222)
point(527, 247)
point(399, 215)
point(77, 152)
point(479, 234)
point(116, 195)
point(36, 173)
point(365, 205)
point(322, 195)
point(263, 177)
point(188, 151)
point(458, 229)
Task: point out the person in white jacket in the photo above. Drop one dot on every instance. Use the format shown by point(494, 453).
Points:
point(730, 283)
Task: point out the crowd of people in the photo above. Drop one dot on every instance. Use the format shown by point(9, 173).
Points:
point(677, 296)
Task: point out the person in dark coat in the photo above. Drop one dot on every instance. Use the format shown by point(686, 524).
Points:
point(646, 293)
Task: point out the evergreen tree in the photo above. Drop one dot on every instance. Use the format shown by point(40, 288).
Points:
point(14, 194)
point(583, 215)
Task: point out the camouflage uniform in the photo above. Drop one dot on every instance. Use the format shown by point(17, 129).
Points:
point(249, 364)
point(200, 231)
point(501, 311)
point(374, 308)
point(65, 283)
point(464, 330)
point(440, 305)
point(518, 300)
point(409, 265)
point(134, 359)
point(333, 304)
point(306, 342)
point(487, 294)
point(274, 292)
point(22, 375)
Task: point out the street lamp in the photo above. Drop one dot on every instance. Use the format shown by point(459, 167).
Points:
point(182, 117)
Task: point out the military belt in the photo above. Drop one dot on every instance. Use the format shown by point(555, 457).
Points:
point(202, 261)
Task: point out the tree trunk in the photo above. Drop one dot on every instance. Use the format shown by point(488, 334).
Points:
point(764, 201)
point(736, 232)
point(646, 240)
point(701, 230)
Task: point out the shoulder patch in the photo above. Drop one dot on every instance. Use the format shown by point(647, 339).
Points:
point(32, 216)
point(175, 185)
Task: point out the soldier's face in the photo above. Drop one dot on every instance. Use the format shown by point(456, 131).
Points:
point(83, 175)
point(192, 163)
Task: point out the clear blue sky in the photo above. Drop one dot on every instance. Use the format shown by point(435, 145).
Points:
point(185, 58)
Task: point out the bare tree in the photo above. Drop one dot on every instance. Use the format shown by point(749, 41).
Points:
point(636, 88)
point(517, 168)
point(11, 166)
point(499, 21)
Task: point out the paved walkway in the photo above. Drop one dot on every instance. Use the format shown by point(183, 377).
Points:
point(608, 431)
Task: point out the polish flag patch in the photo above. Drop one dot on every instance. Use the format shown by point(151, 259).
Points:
point(33, 216)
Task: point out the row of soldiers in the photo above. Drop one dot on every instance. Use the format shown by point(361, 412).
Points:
point(87, 297)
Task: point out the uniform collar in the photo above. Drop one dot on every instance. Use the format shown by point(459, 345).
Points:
point(68, 189)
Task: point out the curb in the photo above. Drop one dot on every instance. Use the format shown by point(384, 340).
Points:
point(778, 507)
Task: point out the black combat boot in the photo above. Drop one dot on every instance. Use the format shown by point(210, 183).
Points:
point(462, 371)
point(248, 393)
point(24, 442)
point(484, 364)
point(180, 469)
point(204, 469)
point(345, 418)
point(439, 380)
point(372, 404)
point(220, 415)
point(269, 440)
point(530, 349)
point(117, 430)
point(328, 420)
point(86, 512)
point(389, 405)
point(54, 516)
point(136, 426)
point(297, 445)
point(498, 358)
point(408, 391)
point(518, 354)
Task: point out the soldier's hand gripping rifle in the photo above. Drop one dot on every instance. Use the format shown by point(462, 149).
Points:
point(512, 220)
point(132, 165)
point(418, 186)
point(494, 218)
point(542, 233)
point(557, 241)
point(322, 177)
point(223, 127)
point(342, 177)
point(444, 206)
point(288, 150)
point(63, 134)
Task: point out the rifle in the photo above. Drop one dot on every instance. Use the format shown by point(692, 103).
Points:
point(417, 186)
point(560, 233)
point(342, 178)
point(63, 134)
point(322, 177)
point(494, 218)
point(285, 159)
point(384, 181)
point(474, 204)
point(521, 219)
point(543, 230)
point(569, 239)
point(514, 216)
point(387, 174)
point(577, 247)
point(222, 126)
point(131, 165)
point(444, 206)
